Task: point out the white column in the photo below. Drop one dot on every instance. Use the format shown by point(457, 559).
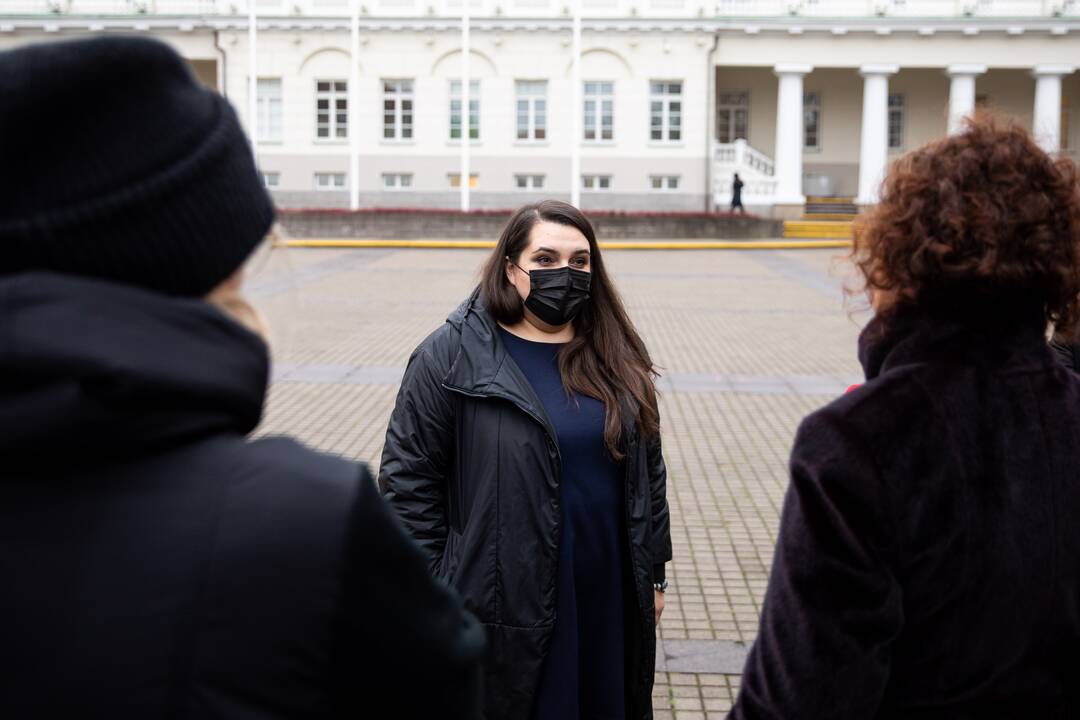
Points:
point(466, 130)
point(874, 144)
point(576, 108)
point(1047, 124)
point(789, 133)
point(961, 94)
point(354, 108)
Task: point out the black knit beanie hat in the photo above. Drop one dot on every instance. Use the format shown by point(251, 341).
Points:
point(115, 163)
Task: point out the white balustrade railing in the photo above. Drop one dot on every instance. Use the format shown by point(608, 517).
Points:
point(118, 7)
point(753, 191)
point(755, 169)
point(725, 153)
point(757, 161)
point(741, 154)
point(560, 8)
point(895, 8)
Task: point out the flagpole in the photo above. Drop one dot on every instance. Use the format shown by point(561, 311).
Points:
point(465, 96)
point(354, 109)
point(575, 108)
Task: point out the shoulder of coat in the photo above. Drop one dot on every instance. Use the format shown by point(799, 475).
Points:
point(894, 402)
point(441, 345)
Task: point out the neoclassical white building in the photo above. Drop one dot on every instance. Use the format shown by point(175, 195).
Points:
point(363, 104)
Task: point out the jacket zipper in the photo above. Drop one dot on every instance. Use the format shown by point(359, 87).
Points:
point(558, 466)
point(558, 470)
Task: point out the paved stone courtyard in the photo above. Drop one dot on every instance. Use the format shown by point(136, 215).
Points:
point(748, 343)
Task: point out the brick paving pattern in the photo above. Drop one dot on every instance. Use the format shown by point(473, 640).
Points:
point(748, 342)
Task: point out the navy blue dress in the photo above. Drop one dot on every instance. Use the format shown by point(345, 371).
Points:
point(583, 675)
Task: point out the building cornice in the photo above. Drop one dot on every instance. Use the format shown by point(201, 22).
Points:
point(727, 26)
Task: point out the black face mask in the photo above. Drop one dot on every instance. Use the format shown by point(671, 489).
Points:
point(556, 296)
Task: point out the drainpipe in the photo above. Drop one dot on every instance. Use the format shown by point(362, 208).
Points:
point(710, 131)
point(222, 73)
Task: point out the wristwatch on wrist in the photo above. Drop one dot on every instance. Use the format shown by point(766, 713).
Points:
point(660, 586)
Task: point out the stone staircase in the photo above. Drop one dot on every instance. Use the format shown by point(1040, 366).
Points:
point(824, 218)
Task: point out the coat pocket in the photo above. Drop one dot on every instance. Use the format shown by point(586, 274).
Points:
point(448, 566)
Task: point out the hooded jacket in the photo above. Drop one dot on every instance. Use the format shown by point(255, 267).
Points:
point(471, 466)
point(155, 563)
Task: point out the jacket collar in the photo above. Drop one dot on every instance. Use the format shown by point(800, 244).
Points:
point(483, 366)
point(995, 334)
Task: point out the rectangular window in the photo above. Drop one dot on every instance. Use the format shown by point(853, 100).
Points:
point(271, 179)
point(397, 109)
point(331, 109)
point(664, 183)
point(268, 109)
point(665, 111)
point(596, 182)
point(812, 121)
point(529, 182)
point(397, 181)
point(329, 181)
point(455, 180)
point(531, 105)
point(455, 109)
point(896, 122)
point(732, 116)
point(599, 111)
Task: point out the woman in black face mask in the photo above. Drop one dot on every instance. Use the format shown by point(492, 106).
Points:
point(524, 455)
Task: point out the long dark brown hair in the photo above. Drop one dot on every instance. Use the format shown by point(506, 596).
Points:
point(607, 359)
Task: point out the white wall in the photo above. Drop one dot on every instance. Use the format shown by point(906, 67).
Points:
point(497, 61)
point(926, 106)
point(761, 83)
point(841, 115)
point(1010, 92)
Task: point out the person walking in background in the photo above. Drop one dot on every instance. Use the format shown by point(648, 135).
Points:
point(524, 454)
point(927, 563)
point(736, 195)
point(156, 562)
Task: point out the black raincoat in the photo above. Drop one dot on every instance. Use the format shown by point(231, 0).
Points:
point(471, 466)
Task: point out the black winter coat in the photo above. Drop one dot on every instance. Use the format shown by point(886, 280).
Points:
point(471, 466)
point(154, 563)
point(928, 562)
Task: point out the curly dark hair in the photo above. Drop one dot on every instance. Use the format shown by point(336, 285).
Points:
point(985, 215)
